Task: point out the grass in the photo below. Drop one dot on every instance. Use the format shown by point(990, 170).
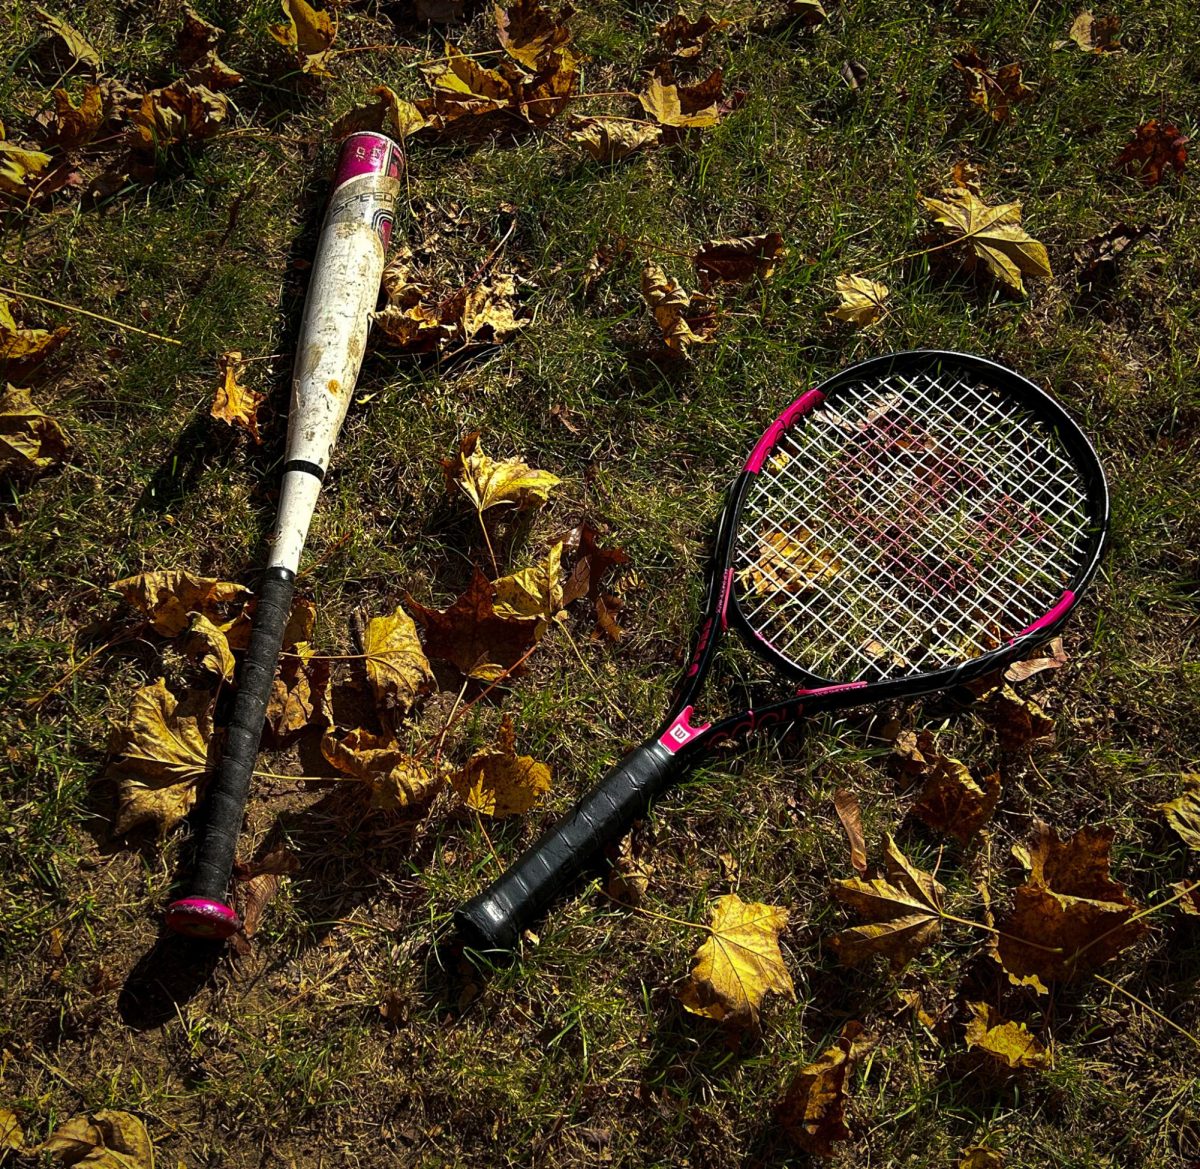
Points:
point(579, 1053)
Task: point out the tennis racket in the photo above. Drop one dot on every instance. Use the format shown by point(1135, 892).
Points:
point(912, 523)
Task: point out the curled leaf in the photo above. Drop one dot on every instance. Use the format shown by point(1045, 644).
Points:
point(20, 344)
point(1154, 147)
point(29, 440)
point(163, 753)
point(169, 598)
point(1016, 720)
point(1006, 1042)
point(396, 781)
point(498, 781)
point(529, 33)
point(845, 803)
point(951, 799)
point(299, 694)
point(177, 115)
point(234, 403)
point(70, 125)
point(790, 562)
point(994, 91)
point(75, 42)
point(1092, 34)
point(1183, 813)
point(743, 258)
point(683, 38)
point(22, 170)
point(739, 963)
point(813, 1109)
point(207, 644)
point(101, 1140)
point(535, 592)
point(684, 318)
point(387, 113)
point(308, 34)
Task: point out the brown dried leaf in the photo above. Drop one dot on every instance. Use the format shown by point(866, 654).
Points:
point(1019, 671)
point(196, 37)
point(11, 1134)
point(1070, 917)
point(629, 876)
point(1015, 720)
point(1183, 813)
point(397, 667)
point(169, 598)
point(30, 441)
point(979, 1157)
point(683, 106)
point(18, 343)
point(740, 259)
point(489, 310)
point(952, 800)
point(259, 881)
point(177, 115)
point(70, 125)
point(499, 782)
point(163, 753)
point(684, 318)
point(993, 235)
point(397, 781)
point(529, 33)
point(386, 114)
point(234, 403)
point(309, 34)
point(1095, 34)
point(813, 1110)
point(683, 38)
point(609, 140)
point(903, 912)
point(299, 694)
point(993, 91)
point(845, 803)
point(739, 963)
point(810, 12)
point(591, 563)
point(470, 634)
point(1153, 148)
point(76, 43)
point(101, 1140)
point(862, 300)
point(1006, 1042)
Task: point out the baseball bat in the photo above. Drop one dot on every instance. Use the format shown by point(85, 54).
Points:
point(333, 337)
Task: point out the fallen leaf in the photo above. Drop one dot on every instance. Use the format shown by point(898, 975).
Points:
point(11, 1134)
point(809, 12)
point(683, 38)
point(212, 73)
point(76, 44)
point(101, 1140)
point(903, 912)
point(1006, 1042)
point(813, 1110)
point(489, 308)
point(1095, 34)
point(22, 170)
point(590, 563)
point(845, 803)
point(535, 592)
point(529, 33)
point(993, 91)
point(20, 344)
point(472, 636)
point(499, 782)
point(29, 440)
point(951, 800)
point(386, 114)
point(744, 258)
point(1015, 720)
point(739, 963)
point(396, 780)
point(684, 318)
point(489, 482)
point(1099, 259)
point(609, 140)
point(790, 562)
point(234, 403)
point(169, 598)
point(1188, 893)
point(259, 881)
point(308, 33)
point(397, 667)
point(1183, 813)
point(862, 300)
point(993, 235)
point(630, 871)
point(1152, 149)
point(1019, 671)
point(177, 115)
point(299, 694)
point(683, 106)
point(979, 1157)
point(70, 125)
point(208, 646)
point(1070, 916)
point(163, 753)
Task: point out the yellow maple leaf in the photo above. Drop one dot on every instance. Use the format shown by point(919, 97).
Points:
point(1092, 34)
point(388, 114)
point(862, 300)
point(609, 140)
point(235, 403)
point(1183, 813)
point(536, 591)
point(101, 1140)
point(76, 43)
point(684, 318)
point(995, 91)
point(1006, 1042)
point(11, 1134)
point(73, 125)
point(19, 343)
point(951, 799)
point(208, 645)
point(163, 753)
point(683, 106)
point(813, 1109)
point(308, 33)
point(992, 234)
point(397, 667)
point(396, 780)
point(169, 598)
point(29, 439)
point(903, 912)
point(528, 32)
point(489, 309)
point(980, 1157)
point(739, 963)
point(498, 781)
point(489, 482)
point(790, 562)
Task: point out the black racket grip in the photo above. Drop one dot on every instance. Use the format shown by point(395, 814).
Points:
point(496, 918)
point(227, 795)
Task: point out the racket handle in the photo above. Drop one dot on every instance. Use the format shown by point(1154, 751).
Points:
point(205, 910)
point(496, 918)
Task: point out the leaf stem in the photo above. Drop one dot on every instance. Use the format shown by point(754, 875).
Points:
point(71, 308)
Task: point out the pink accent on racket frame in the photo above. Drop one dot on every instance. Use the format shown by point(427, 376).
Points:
point(802, 405)
point(1064, 603)
point(726, 592)
point(367, 154)
point(831, 689)
point(681, 731)
point(199, 917)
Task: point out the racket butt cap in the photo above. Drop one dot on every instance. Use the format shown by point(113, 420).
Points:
point(200, 917)
point(483, 926)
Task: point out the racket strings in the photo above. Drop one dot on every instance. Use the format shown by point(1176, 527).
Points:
point(921, 525)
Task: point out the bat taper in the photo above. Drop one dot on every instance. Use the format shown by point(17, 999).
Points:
point(333, 338)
